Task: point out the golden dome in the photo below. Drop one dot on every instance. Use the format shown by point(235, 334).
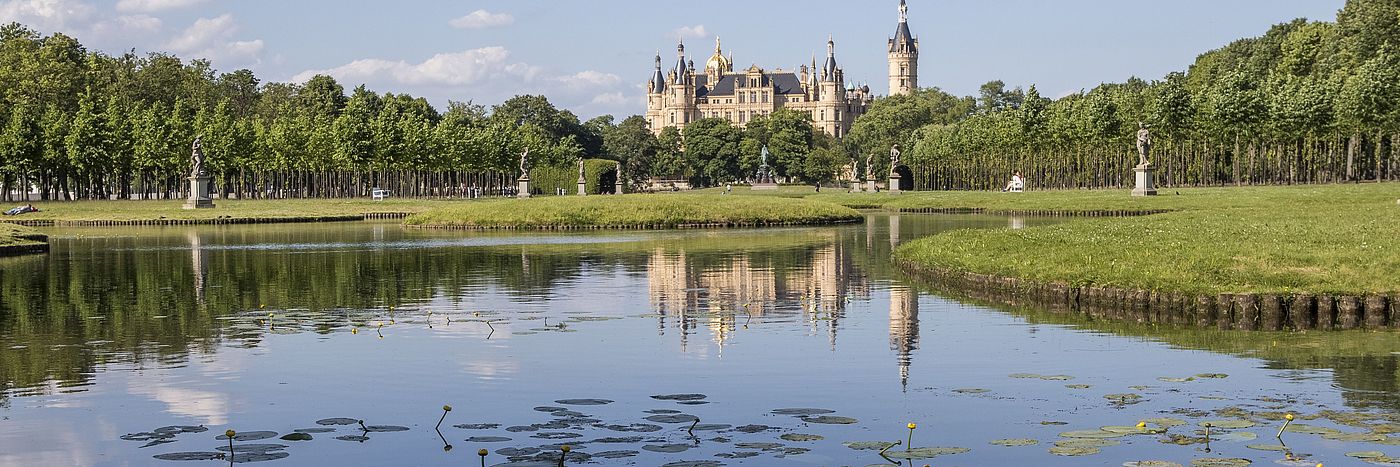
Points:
point(718, 64)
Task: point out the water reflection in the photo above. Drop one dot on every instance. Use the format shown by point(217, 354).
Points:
point(178, 318)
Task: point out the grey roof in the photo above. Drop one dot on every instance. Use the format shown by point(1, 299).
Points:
point(658, 81)
point(784, 83)
point(830, 69)
point(902, 34)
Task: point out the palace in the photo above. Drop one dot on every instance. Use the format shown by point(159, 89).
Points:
point(683, 94)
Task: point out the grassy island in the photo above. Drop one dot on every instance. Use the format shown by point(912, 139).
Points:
point(1338, 243)
point(636, 211)
point(15, 239)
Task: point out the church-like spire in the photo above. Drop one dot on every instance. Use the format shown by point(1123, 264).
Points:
point(658, 79)
point(903, 12)
point(829, 71)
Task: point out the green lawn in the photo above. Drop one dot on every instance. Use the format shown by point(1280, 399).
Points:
point(252, 209)
point(641, 210)
point(1340, 239)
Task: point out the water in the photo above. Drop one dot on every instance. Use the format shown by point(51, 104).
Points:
point(119, 332)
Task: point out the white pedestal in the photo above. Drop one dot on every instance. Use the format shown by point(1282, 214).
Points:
point(523, 188)
point(582, 187)
point(199, 194)
point(855, 187)
point(870, 186)
point(1145, 183)
point(894, 183)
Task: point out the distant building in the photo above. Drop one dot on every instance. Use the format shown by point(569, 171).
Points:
point(682, 94)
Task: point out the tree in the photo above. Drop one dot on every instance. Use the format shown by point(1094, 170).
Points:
point(712, 148)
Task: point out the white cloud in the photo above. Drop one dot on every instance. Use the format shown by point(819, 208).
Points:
point(128, 24)
point(474, 66)
point(610, 99)
point(480, 19)
point(691, 32)
point(148, 6)
point(47, 14)
point(213, 38)
point(589, 79)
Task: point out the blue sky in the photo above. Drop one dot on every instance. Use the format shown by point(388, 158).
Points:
point(593, 56)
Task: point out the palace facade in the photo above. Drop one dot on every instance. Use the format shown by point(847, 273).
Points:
point(683, 94)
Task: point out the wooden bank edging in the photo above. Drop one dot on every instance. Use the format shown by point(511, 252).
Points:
point(1242, 311)
point(1038, 212)
point(212, 221)
point(716, 225)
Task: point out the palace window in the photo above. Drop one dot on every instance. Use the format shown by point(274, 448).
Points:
point(741, 117)
point(741, 98)
point(673, 117)
point(765, 98)
point(823, 114)
point(838, 115)
point(901, 83)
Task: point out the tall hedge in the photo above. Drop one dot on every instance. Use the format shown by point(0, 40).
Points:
point(601, 175)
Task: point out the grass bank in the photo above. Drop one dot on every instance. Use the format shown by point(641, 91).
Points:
point(229, 211)
point(16, 240)
point(1081, 201)
point(1339, 244)
point(636, 211)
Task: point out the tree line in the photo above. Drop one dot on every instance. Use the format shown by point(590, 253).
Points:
point(1307, 102)
point(80, 124)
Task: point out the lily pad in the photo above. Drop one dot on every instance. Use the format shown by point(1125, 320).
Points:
point(1015, 442)
point(1366, 454)
point(1165, 379)
point(1302, 428)
point(1238, 436)
point(1079, 386)
point(337, 421)
point(1220, 462)
point(251, 457)
point(1268, 447)
point(677, 418)
point(710, 427)
point(1125, 399)
point(556, 435)
point(802, 412)
point(1212, 376)
point(680, 397)
point(354, 438)
point(1087, 443)
point(800, 438)
point(1091, 434)
point(759, 446)
point(240, 448)
point(868, 445)
point(667, 448)
point(478, 426)
point(925, 453)
point(633, 428)
point(249, 436)
point(831, 420)
point(693, 464)
point(583, 402)
point(1355, 437)
point(190, 456)
point(615, 454)
point(487, 439)
point(753, 428)
point(297, 436)
point(972, 391)
point(1165, 422)
point(315, 430)
point(385, 428)
point(1132, 430)
point(1151, 464)
point(1074, 451)
point(1228, 424)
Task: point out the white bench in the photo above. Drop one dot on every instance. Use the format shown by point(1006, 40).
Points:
point(379, 195)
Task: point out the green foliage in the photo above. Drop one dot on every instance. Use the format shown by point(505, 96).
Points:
point(600, 176)
point(1303, 103)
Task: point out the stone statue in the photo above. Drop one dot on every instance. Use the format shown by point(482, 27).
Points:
point(580, 168)
point(197, 158)
point(1144, 144)
point(525, 163)
point(870, 167)
point(764, 156)
point(894, 157)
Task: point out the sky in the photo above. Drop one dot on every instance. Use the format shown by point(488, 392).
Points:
point(594, 56)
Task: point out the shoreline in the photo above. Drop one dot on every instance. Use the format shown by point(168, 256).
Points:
point(1225, 311)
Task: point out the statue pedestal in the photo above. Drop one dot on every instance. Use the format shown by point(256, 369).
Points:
point(894, 183)
point(870, 186)
point(618, 188)
point(855, 187)
point(523, 187)
point(199, 194)
point(1145, 184)
point(582, 187)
